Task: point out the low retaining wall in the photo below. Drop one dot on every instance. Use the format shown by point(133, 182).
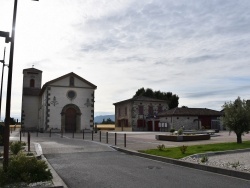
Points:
point(181, 138)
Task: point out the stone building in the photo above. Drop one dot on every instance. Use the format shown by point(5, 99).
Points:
point(191, 118)
point(138, 114)
point(65, 103)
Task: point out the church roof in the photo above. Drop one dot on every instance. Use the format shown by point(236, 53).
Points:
point(32, 70)
point(65, 76)
point(140, 98)
point(190, 112)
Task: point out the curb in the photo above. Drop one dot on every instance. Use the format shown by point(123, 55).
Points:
point(57, 180)
point(233, 173)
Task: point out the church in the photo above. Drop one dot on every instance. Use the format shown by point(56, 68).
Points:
point(65, 103)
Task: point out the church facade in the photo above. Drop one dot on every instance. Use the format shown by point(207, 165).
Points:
point(65, 103)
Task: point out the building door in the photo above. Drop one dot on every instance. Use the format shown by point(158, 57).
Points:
point(157, 128)
point(205, 121)
point(150, 126)
point(70, 120)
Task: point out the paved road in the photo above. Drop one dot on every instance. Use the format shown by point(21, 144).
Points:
point(92, 164)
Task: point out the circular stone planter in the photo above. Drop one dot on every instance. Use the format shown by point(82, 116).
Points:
point(181, 138)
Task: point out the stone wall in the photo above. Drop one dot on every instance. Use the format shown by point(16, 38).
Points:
point(186, 122)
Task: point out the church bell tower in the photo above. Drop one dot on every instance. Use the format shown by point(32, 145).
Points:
point(32, 81)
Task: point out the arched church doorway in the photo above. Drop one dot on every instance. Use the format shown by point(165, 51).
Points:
point(71, 118)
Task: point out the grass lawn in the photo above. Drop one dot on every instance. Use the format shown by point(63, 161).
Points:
point(175, 152)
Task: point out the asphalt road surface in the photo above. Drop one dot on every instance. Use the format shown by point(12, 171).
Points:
point(91, 164)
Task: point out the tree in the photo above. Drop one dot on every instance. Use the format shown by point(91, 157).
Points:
point(237, 117)
point(172, 99)
point(108, 121)
point(12, 121)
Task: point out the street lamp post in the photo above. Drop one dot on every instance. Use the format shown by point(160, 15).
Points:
point(8, 97)
point(2, 61)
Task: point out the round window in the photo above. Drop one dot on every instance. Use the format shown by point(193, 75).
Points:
point(71, 94)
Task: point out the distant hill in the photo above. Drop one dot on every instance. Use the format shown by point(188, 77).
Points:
point(98, 119)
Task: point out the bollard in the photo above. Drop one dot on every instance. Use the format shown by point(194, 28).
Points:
point(28, 141)
point(83, 134)
point(100, 136)
point(50, 133)
point(107, 137)
point(115, 138)
point(20, 136)
point(92, 135)
point(125, 140)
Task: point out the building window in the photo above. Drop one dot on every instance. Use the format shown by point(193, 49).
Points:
point(140, 110)
point(71, 94)
point(125, 111)
point(32, 83)
point(159, 108)
point(119, 112)
point(71, 81)
point(150, 110)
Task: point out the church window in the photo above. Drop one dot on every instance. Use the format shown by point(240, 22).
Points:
point(32, 83)
point(71, 94)
point(71, 81)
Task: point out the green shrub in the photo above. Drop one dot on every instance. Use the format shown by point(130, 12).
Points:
point(204, 159)
point(15, 147)
point(183, 149)
point(172, 130)
point(25, 169)
point(180, 131)
point(234, 164)
point(30, 154)
point(161, 147)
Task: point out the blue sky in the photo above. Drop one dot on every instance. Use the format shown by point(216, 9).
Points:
point(197, 49)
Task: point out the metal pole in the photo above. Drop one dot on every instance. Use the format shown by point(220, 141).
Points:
point(100, 136)
point(125, 140)
point(107, 137)
point(115, 138)
point(92, 135)
point(8, 97)
point(20, 136)
point(3, 61)
point(28, 141)
point(83, 134)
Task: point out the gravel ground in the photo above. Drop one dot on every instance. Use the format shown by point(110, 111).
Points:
point(235, 161)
